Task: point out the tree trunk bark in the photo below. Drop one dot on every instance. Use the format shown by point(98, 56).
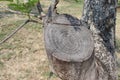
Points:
point(100, 15)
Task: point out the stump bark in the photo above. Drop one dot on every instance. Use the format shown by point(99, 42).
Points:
point(82, 49)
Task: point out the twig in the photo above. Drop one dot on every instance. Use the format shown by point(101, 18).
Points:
point(35, 21)
point(10, 35)
point(40, 10)
point(17, 12)
point(17, 29)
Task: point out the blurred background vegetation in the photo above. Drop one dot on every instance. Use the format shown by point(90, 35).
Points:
point(23, 56)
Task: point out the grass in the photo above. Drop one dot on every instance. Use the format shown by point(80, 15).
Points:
point(1, 65)
point(118, 2)
point(23, 56)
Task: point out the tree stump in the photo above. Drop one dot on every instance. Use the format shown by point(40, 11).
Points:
point(76, 53)
point(69, 46)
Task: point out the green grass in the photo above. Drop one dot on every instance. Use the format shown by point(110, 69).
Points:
point(1, 65)
point(7, 56)
point(2, 35)
point(71, 7)
point(7, 29)
point(118, 2)
point(74, 1)
point(34, 26)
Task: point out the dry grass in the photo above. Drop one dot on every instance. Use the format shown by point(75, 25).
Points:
point(23, 56)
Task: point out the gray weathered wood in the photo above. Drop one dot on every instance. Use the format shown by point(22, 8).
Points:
point(68, 42)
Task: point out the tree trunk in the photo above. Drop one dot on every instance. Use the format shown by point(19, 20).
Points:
point(100, 15)
point(100, 64)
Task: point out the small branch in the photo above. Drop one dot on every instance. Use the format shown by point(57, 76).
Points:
point(7, 9)
point(35, 21)
point(10, 35)
point(16, 12)
point(17, 29)
point(39, 7)
point(40, 10)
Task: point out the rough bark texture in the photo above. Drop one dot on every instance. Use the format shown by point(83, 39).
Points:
point(74, 70)
point(100, 15)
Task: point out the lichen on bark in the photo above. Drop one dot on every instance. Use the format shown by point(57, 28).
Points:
point(100, 15)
